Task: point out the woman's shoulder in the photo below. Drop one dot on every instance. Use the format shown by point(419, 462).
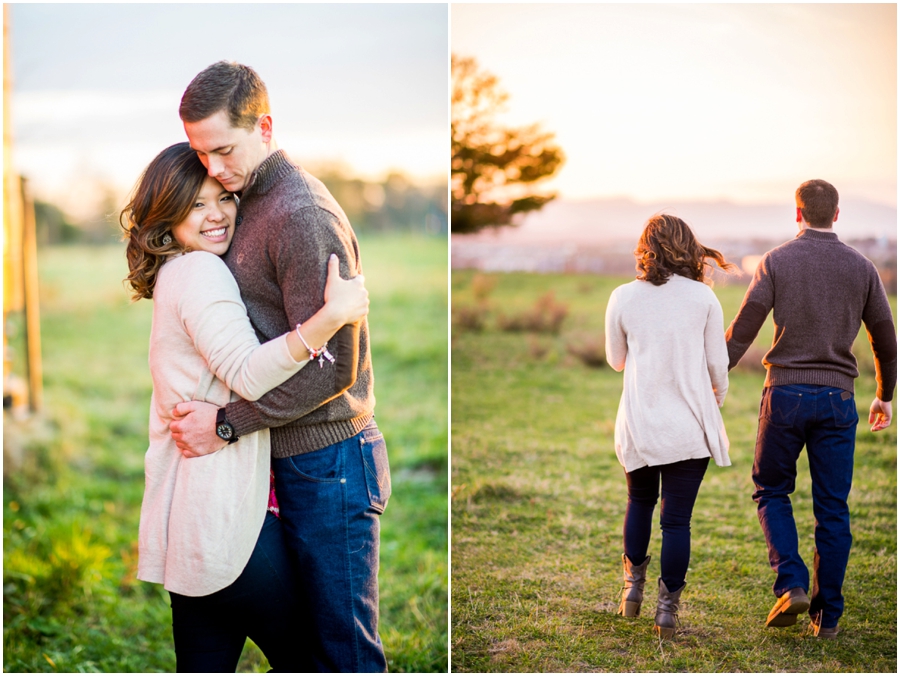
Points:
point(688, 285)
point(633, 290)
point(194, 271)
point(633, 286)
point(702, 294)
point(195, 264)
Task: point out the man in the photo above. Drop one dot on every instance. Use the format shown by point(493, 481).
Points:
point(328, 457)
point(819, 290)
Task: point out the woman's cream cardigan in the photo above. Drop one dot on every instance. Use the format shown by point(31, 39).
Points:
point(201, 517)
point(670, 340)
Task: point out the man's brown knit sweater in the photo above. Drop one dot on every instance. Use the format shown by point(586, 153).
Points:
point(287, 226)
point(820, 290)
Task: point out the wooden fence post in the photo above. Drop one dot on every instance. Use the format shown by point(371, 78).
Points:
point(32, 301)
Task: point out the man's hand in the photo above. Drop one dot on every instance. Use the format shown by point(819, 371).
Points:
point(880, 414)
point(193, 428)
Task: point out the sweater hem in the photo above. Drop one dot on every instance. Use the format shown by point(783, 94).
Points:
point(698, 454)
point(787, 376)
point(289, 441)
point(151, 565)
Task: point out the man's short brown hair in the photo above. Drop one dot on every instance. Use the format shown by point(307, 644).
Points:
point(818, 202)
point(228, 86)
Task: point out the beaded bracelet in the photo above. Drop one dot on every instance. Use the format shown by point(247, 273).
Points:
point(321, 354)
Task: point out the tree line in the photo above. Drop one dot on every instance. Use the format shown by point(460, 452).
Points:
point(394, 204)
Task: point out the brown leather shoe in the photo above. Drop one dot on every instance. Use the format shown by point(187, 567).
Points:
point(787, 607)
point(817, 630)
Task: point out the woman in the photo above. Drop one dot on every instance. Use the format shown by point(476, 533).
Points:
point(665, 329)
point(205, 532)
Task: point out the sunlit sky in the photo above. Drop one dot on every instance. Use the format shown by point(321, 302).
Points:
point(97, 87)
point(742, 102)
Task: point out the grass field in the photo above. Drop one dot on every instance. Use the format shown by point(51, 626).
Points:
point(71, 508)
point(538, 499)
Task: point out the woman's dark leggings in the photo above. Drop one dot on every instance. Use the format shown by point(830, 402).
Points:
point(210, 631)
point(680, 483)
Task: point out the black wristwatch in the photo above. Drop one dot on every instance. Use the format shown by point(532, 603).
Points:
point(224, 429)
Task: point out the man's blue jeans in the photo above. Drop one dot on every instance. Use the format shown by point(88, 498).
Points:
point(330, 502)
point(823, 419)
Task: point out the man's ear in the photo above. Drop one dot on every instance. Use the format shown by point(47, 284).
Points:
point(265, 127)
point(836, 212)
point(799, 215)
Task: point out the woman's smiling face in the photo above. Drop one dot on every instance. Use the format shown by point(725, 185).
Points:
point(210, 225)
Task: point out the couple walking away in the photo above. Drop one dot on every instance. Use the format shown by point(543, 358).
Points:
point(266, 473)
point(666, 331)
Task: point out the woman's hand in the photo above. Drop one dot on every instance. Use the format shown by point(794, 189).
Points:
point(346, 300)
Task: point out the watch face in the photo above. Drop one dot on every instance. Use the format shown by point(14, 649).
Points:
point(225, 431)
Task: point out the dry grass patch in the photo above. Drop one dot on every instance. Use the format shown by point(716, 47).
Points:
point(545, 316)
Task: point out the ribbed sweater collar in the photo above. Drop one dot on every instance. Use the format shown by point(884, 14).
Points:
point(817, 235)
point(275, 167)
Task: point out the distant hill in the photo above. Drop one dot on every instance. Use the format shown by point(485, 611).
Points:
point(614, 219)
point(598, 236)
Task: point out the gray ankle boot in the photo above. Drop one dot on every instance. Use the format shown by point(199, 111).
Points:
point(667, 610)
point(633, 589)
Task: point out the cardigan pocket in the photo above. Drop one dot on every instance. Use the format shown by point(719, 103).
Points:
point(204, 384)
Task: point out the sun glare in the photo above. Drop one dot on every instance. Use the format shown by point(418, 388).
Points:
point(699, 101)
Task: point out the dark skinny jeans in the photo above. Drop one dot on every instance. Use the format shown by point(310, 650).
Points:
point(680, 484)
point(210, 631)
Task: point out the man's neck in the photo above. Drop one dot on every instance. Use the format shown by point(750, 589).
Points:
point(271, 147)
point(806, 226)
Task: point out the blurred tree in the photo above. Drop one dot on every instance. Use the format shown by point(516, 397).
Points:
point(493, 167)
point(102, 227)
point(53, 226)
point(394, 204)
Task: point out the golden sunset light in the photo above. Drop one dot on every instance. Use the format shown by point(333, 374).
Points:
point(699, 102)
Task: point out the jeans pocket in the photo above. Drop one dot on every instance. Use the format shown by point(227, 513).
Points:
point(323, 466)
point(378, 473)
point(780, 406)
point(844, 410)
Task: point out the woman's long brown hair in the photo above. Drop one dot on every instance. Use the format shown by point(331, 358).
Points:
point(668, 246)
point(163, 198)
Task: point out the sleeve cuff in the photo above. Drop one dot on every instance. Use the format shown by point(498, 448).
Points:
point(286, 359)
point(243, 417)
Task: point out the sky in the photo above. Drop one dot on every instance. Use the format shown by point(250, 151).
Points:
point(702, 102)
point(96, 87)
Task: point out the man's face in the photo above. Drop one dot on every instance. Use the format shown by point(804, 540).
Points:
point(230, 154)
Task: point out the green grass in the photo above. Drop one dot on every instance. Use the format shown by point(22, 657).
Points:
point(538, 500)
point(71, 507)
